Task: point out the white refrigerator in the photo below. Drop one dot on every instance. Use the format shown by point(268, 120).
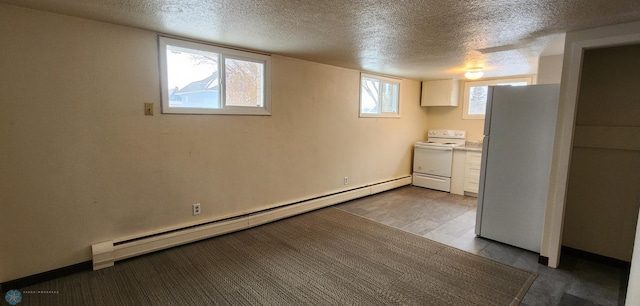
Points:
point(517, 149)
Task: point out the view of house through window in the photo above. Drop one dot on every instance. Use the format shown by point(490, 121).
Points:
point(194, 80)
point(475, 95)
point(379, 96)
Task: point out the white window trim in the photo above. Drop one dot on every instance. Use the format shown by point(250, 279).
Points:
point(225, 53)
point(383, 79)
point(490, 82)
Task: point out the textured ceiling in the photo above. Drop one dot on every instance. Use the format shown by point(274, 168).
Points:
point(420, 39)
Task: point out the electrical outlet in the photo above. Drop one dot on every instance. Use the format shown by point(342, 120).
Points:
point(346, 180)
point(196, 209)
point(148, 109)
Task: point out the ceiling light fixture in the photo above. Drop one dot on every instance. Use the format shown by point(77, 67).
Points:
point(474, 73)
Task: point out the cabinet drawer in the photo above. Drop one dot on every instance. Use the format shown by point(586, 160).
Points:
point(472, 179)
point(471, 186)
point(473, 170)
point(474, 158)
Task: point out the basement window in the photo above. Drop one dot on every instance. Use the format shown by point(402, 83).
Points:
point(198, 78)
point(379, 96)
point(475, 95)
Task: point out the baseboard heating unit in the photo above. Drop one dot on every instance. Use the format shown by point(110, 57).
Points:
point(106, 253)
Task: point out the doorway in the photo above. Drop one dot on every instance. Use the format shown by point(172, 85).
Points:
point(603, 199)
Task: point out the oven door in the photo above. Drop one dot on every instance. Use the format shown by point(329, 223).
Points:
point(433, 160)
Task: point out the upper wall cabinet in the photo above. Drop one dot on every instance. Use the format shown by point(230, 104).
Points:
point(440, 93)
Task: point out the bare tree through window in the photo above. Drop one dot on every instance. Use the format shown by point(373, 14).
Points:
point(205, 79)
point(243, 83)
point(379, 96)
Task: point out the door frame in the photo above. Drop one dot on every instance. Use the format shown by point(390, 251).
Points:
point(575, 44)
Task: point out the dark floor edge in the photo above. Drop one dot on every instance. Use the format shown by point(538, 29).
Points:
point(45, 276)
point(596, 257)
point(543, 260)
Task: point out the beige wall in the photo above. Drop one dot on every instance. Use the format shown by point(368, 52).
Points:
point(450, 117)
point(81, 164)
point(549, 69)
point(603, 197)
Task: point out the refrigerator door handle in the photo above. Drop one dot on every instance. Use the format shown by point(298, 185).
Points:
point(487, 114)
point(483, 172)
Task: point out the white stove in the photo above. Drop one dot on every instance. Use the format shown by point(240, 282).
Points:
point(437, 144)
point(450, 138)
point(433, 159)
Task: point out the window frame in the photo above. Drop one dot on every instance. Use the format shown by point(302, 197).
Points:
point(487, 82)
point(382, 80)
point(224, 53)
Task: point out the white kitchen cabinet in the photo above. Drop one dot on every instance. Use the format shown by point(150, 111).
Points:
point(440, 93)
point(472, 173)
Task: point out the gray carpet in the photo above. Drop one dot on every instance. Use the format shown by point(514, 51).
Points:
point(326, 257)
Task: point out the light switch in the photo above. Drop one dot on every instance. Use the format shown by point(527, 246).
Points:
point(148, 109)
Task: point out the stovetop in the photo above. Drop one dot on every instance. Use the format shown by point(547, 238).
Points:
point(439, 144)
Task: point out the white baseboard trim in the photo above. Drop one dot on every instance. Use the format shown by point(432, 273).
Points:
point(106, 253)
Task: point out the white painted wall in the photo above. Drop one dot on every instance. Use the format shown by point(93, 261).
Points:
point(81, 164)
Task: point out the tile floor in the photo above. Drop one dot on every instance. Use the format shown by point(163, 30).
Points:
point(450, 219)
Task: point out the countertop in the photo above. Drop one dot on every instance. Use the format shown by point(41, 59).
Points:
point(470, 146)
